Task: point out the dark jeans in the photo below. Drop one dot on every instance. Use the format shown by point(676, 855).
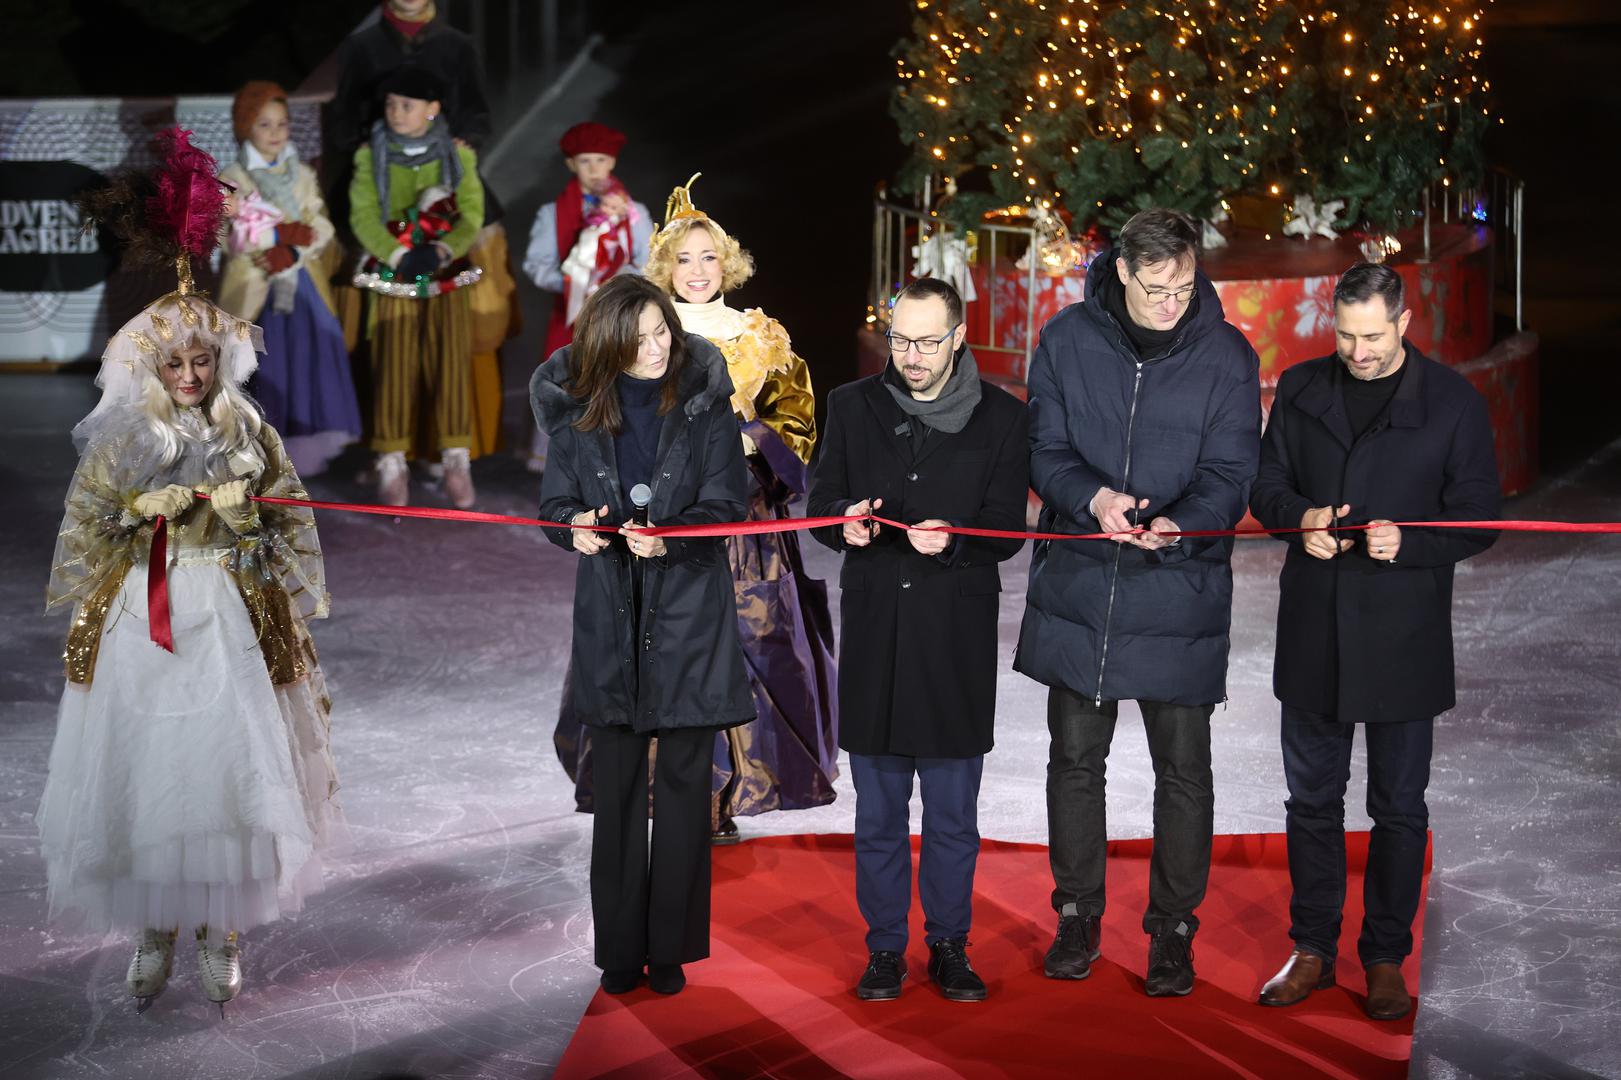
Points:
point(1184, 805)
point(1317, 766)
point(950, 848)
point(650, 910)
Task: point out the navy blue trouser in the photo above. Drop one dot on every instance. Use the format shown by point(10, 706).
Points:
point(1317, 767)
point(945, 873)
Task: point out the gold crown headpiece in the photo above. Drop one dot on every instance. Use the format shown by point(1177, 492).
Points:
point(679, 205)
point(678, 208)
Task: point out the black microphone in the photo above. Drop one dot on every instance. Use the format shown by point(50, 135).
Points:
point(640, 496)
point(904, 428)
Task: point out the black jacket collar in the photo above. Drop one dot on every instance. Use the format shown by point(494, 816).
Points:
point(1321, 396)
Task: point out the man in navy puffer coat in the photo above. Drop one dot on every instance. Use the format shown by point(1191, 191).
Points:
point(1144, 411)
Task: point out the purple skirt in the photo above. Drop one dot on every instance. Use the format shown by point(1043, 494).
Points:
point(303, 384)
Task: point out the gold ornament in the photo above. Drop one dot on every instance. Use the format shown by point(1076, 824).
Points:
point(679, 205)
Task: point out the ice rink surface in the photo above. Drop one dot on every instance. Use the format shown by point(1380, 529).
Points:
point(454, 940)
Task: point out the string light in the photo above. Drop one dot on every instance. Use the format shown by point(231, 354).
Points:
point(1207, 96)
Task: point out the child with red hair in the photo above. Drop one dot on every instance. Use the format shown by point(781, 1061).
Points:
point(275, 275)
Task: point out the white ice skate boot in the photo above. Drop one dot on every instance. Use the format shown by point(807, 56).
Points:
point(219, 967)
point(149, 968)
point(393, 479)
point(459, 478)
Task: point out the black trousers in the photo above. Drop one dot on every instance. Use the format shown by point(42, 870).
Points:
point(1317, 766)
point(651, 908)
point(1184, 805)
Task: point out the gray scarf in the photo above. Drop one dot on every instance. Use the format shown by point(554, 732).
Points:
point(276, 184)
point(388, 149)
point(949, 412)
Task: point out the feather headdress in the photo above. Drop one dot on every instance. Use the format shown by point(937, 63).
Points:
point(174, 216)
point(171, 217)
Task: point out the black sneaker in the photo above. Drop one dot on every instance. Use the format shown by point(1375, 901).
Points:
point(883, 977)
point(1170, 962)
point(950, 970)
point(1074, 948)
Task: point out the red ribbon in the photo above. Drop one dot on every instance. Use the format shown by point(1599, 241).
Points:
point(157, 590)
point(157, 587)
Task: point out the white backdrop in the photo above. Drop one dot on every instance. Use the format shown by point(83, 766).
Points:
point(107, 134)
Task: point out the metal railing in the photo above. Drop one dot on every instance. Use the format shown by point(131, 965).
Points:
point(1498, 203)
point(898, 231)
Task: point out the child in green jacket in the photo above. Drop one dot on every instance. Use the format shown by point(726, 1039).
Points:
point(416, 206)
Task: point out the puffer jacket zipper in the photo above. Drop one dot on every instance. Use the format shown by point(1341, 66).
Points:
point(1114, 575)
point(1125, 484)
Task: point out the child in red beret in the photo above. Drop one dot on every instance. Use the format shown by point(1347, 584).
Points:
point(592, 232)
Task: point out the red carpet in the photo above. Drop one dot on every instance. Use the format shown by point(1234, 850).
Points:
point(775, 999)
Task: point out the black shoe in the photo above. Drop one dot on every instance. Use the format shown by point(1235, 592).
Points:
point(1074, 948)
point(882, 980)
point(621, 982)
point(950, 970)
point(1170, 962)
point(666, 978)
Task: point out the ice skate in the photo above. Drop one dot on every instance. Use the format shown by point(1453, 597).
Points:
point(459, 478)
point(220, 968)
point(393, 479)
point(149, 968)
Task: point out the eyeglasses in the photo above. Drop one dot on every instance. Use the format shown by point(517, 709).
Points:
point(925, 346)
point(1159, 296)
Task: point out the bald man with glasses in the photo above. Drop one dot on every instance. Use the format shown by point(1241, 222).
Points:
point(929, 443)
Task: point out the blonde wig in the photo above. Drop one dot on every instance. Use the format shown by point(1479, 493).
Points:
point(736, 265)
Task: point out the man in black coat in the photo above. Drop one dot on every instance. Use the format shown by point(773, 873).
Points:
point(929, 443)
point(1375, 434)
point(1145, 409)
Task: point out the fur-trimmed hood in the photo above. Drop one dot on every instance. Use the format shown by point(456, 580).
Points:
point(704, 381)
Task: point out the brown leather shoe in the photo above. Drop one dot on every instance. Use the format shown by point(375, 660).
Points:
point(1387, 993)
point(1302, 973)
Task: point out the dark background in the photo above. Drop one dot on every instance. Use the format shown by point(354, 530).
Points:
point(785, 109)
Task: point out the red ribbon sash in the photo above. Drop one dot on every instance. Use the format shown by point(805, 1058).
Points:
point(157, 590)
point(157, 587)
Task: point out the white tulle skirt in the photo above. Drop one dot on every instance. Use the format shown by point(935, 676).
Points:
point(184, 788)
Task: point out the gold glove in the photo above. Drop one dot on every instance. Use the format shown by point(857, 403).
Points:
point(168, 502)
point(231, 502)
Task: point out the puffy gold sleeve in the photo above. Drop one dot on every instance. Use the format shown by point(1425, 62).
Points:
point(279, 572)
point(787, 405)
point(101, 538)
point(287, 533)
point(100, 533)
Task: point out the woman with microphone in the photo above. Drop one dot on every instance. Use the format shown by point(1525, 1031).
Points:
point(639, 413)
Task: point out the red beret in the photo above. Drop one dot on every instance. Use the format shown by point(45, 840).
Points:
point(592, 138)
point(249, 101)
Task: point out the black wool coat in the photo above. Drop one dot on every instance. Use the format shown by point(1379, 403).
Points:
point(676, 662)
point(918, 634)
point(1358, 639)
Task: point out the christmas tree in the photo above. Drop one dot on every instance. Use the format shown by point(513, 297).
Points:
point(1103, 107)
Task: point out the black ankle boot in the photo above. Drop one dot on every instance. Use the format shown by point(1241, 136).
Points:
point(666, 978)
